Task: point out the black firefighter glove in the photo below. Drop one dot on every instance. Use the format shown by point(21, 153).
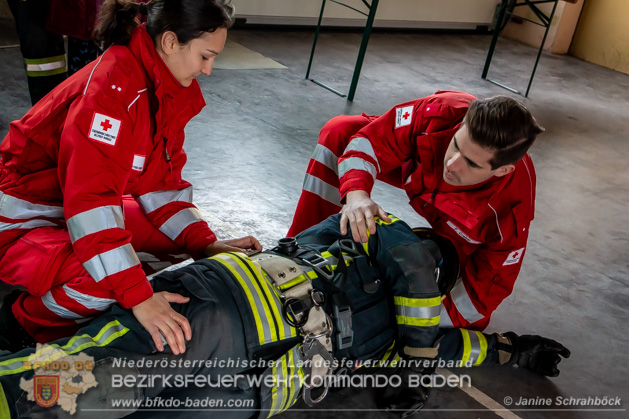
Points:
point(405, 394)
point(535, 353)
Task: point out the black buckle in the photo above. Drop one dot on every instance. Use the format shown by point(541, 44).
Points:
point(343, 322)
point(318, 263)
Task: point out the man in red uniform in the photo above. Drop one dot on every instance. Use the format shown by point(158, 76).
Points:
point(464, 167)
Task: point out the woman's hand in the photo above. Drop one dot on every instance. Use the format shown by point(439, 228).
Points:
point(241, 245)
point(156, 315)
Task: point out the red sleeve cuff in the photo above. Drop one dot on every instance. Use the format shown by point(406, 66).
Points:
point(135, 295)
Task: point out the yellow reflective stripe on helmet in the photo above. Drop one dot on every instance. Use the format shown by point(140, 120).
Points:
point(483, 348)
point(107, 334)
point(5, 413)
point(255, 302)
point(285, 331)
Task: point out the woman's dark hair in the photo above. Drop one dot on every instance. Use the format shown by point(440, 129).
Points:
point(504, 125)
point(188, 19)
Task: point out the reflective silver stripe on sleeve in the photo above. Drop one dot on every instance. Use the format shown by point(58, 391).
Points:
point(154, 200)
point(53, 306)
point(325, 156)
point(323, 189)
point(111, 262)
point(88, 301)
point(176, 224)
point(94, 221)
point(445, 320)
point(12, 207)
point(364, 146)
point(418, 312)
point(463, 303)
point(356, 163)
point(26, 225)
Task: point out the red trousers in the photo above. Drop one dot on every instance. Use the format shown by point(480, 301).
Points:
point(320, 196)
point(61, 295)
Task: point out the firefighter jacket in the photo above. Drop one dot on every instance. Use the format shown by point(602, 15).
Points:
point(115, 128)
point(488, 222)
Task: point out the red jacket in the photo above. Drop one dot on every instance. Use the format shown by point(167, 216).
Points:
point(114, 128)
point(488, 223)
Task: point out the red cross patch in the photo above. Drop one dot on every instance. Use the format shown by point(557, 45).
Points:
point(104, 129)
point(403, 116)
point(514, 257)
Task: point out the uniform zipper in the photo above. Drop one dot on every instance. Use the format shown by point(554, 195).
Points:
point(167, 154)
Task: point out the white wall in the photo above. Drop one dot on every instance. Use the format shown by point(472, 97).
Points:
point(442, 14)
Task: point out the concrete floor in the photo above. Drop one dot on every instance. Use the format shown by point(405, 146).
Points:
point(249, 148)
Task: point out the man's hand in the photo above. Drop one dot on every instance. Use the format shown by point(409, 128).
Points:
point(241, 245)
point(360, 211)
point(537, 353)
point(156, 315)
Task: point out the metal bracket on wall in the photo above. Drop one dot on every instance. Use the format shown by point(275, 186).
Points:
point(361, 52)
point(506, 9)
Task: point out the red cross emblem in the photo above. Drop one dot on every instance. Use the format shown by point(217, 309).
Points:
point(105, 124)
point(406, 115)
point(515, 255)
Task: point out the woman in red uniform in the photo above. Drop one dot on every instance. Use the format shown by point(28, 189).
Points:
point(114, 129)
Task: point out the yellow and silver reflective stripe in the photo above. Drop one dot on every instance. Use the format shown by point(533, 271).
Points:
point(263, 301)
point(111, 262)
point(88, 301)
point(155, 200)
point(323, 189)
point(49, 66)
point(107, 334)
point(362, 145)
point(176, 224)
point(325, 156)
point(357, 163)
point(95, 220)
point(474, 347)
point(285, 331)
point(16, 208)
point(417, 311)
point(288, 378)
point(463, 303)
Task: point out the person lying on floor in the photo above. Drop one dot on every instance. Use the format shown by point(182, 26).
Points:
point(292, 317)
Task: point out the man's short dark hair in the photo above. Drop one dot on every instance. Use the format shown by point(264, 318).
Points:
point(504, 125)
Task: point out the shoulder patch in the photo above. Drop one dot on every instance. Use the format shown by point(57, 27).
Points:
point(514, 257)
point(138, 162)
point(403, 116)
point(104, 129)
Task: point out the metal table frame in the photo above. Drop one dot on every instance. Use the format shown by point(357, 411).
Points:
point(506, 9)
point(361, 52)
